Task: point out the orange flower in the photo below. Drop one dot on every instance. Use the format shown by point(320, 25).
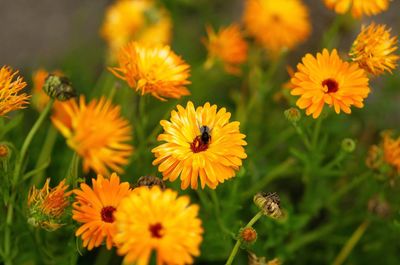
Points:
point(153, 70)
point(153, 219)
point(94, 208)
point(326, 79)
point(9, 98)
point(97, 132)
point(391, 150)
point(374, 49)
point(47, 206)
point(277, 25)
point(228, 45)
point(358, 7)
point(200, 143)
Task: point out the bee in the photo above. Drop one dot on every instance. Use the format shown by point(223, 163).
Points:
point(150, 181)
point(58, 87)
point(269, 203)
point(205, 134)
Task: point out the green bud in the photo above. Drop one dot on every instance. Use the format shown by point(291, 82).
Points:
point(58, 87)
point(4, 151)
point(292, 114)
point(348, 145)
point(269, 203)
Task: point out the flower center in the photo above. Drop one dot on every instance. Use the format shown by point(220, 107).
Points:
point(156, 230)
point(332, 85)
point(198, 144)
point(107, 214)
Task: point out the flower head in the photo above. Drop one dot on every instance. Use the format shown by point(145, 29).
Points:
point(277, 25)
point(4, 151)
point(9, 98)
point(154, 70)
point(200, 143)
point(97, 132)
point(391, 150)
point(39, 97)
point(327, 79)
point(374, 49)
point(358, 8)
point(152, 219)
point(47, 206)
point(94, 208)
point(227, 45)
point(138, 20)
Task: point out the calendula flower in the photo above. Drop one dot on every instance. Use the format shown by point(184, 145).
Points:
point(153, 70)
point(374, 49)
point(227, 45)
point(199, 143)
point(326, 79)
point(391, 150)
point(277, 25)
point(95, 208)
point(152, 219)
point(97, 132)
point(47, 206)
point(9, 88)
point(358, 8)
point(138, 20)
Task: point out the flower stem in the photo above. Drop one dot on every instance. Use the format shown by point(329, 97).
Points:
point(351, 243)
point(239, 242)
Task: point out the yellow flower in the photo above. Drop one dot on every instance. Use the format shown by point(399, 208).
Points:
point(391, 150)
point(277, 25)
point(9, 98)
point(155, 70)
point(199, 143)
point(327, 79)
point(47, 206)
point(358, 8)
point(94, 208)
point(227, 45)
point(97, 133)
point(152, 219)
point(138, 20)
point(373, 49)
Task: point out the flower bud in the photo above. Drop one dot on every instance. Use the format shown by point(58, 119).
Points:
point(269, 203)
point(379, 207)
point(292, 114)
point(348, 145)
point(4, 151)
point(247, 235)
point(150, 181)
point(59, 87)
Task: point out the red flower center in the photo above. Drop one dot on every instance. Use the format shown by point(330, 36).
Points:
point(198, 145)
point(332, 85)
point(107, 214)
point(156, 230)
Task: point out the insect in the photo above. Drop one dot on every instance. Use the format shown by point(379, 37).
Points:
point(58, 87)
point(205, 134)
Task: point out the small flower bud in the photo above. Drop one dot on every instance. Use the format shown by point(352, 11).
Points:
point(269, 203)
point(248, 235)
point(379, 207)
point(150, 181)
point(58, 87)
point(348, 145)
point(254, 260)
point(4, 151)
point(292, 114)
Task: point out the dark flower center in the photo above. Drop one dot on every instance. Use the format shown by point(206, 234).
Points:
point(198, 145)
point(332, 85)
point(107, 214)
point(156, 230)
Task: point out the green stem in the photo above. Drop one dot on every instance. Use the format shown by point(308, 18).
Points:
point(317, 130)
point(73, 170)
point(354, 183)
point(239, 241)
point(217, 211)
point(28, 140)
point(45, 154)
point(351, 243)
point(302, 135)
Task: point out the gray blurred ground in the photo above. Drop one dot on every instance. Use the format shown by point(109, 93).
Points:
point(36, 33)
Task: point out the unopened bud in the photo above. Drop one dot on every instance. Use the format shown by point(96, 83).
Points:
point(292, 114)
point(4, 151)
point(150, 181)
point(348, 145)
point(269, 203)
point(248, 235)
point(58, 87)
